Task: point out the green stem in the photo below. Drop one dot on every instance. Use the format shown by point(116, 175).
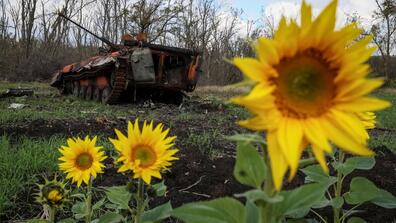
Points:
point(52, 213)
point(88, 202)
point(306, 162)
point(349, 212)
point(266, 208)
point(319, 216)
point(139, 201)
point(340, 177)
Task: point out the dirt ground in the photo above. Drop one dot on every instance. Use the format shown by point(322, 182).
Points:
point(196, 176)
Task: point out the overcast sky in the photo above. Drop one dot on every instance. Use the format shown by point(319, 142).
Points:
point(253, 8)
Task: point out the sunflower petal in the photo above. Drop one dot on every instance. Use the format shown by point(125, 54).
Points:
point(277, 160)
point(363, 104)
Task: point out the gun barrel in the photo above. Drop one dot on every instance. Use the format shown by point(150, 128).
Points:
point(161, 47)
point(93, 34)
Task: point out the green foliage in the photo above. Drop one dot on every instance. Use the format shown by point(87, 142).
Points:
point(222, 210)
point(387, 118)
point(314, 173)
point(363, 190)
point(252, 212)
point(119, 195)
point(205, 141)
point(22, 162)
point(160, 189)
point(79, 209)
point(300, 200)
point(247, 138)
point(158, 213)
point(250, 167)
point(259, 195)
point(353, 163)
point(110, 217)
point(356, 220)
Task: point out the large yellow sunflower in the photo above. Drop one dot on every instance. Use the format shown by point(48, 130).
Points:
point(146, 152)
point(81, 159)
point(311, 81)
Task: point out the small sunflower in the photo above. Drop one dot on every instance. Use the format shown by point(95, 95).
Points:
point(52, 193)
point(81, 159)
point(311, 81)
point(146, 152)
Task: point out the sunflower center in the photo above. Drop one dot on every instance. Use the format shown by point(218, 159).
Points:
point(305, 85)
point(84, 161)
point(145, 154)
point(54, 196)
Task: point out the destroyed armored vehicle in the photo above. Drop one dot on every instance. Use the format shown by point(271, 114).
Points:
point(130, 71)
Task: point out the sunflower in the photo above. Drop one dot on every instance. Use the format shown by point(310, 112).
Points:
point(146, 152)
point(52, 193)
point(81, 159)
point(310, 83)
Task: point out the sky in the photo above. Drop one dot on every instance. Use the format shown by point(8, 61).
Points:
point(253, 8)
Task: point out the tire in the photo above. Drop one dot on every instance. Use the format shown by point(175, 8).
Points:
point(97, 94)
point(76, 89)
point(106, 95)
point(89, 93)
point(83, 89)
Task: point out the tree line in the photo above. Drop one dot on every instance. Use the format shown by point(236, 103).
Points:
point(35, 41)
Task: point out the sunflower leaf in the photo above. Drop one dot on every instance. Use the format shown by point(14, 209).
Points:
point(253, 214)
point(222, 210)
point(110, 217)
point(315, 173)
point(350, 164)
point(79, 209)
point(160, 189)
point(158, 213)
point(259, 195)
point(119, 195)
point(356, 220)
point(385, 199)
point(300, 200)
point(363, 190)
point(250, 167)
point(98, 204)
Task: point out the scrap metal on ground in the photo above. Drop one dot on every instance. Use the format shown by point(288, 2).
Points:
point(16, 92)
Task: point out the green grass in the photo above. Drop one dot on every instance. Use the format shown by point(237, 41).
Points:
point(25, 162)
point(205, 142)
point(22, 163)
point(49, 105)
point(386, 119)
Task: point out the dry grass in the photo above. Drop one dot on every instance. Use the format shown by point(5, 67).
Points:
point(223, 92)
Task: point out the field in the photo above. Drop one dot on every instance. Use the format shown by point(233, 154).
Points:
point(30, 137)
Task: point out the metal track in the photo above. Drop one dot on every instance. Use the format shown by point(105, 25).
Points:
point(119, 84)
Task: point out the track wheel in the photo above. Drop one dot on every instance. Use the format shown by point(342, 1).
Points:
point(76, 89)
point(97, 94)
point(106, 95)
point(83, 89)
point(89, 93)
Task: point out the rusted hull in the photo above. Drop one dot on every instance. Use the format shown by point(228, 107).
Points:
point(120, 74)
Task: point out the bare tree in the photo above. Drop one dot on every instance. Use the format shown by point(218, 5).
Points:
point(384, 31)
point(154, 17)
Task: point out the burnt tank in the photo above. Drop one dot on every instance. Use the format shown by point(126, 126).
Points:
point(131, 71)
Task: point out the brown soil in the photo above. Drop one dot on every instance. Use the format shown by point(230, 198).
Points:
point(194, 177)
